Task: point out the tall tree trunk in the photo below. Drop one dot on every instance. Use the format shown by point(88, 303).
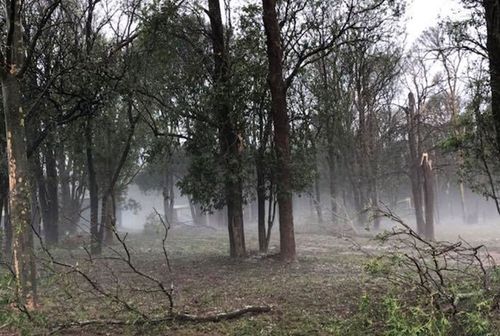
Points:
point(230, 139)
point(95, 242)
point(415, 172)
point(281, 129)
point(19, 189)
point(492, 15)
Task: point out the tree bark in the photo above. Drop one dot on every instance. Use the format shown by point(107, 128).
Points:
point(261, 204)
point(230, 139)
point(492, 15)
point(281, 129)
point(7, 247)
point(19, 189)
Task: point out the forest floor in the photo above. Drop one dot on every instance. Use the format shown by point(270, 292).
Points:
point(319, 294)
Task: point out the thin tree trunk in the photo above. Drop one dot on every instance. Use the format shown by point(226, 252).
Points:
point(428, 196)
point(66, 217)
point(281, 129)
point(171, 203)
point(52, 192)
point(103, 227)
point(271, 216)
point(332, 181)
point(37, 168)
point(168, 195)
point(317, 197)
point(95, 243)
point(261, 205)
point(230, 139)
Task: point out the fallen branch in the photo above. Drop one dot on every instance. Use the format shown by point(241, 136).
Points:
point(173, 317)
point(222, 316)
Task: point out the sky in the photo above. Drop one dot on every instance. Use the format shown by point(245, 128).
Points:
point(422, 14)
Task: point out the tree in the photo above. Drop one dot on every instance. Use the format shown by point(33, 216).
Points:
point(16, 58)
point(229, 137)
point(281, 129)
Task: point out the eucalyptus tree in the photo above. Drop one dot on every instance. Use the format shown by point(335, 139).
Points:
point(17, 57)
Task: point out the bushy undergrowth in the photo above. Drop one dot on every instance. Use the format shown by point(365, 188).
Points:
point(431, 288)
point(393, 316)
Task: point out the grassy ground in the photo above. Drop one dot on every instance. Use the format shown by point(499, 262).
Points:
point(320, 294)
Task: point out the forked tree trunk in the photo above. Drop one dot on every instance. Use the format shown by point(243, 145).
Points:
point(281, 129)
point(229, 137)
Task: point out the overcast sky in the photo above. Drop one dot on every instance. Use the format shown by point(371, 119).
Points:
point(422, 14)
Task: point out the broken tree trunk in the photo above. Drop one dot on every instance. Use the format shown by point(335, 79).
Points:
point(415, 172)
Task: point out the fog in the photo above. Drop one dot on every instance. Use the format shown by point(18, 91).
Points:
point(480, 221)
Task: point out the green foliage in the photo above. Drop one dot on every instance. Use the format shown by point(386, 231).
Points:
point(392, 316)
point(10, 317)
